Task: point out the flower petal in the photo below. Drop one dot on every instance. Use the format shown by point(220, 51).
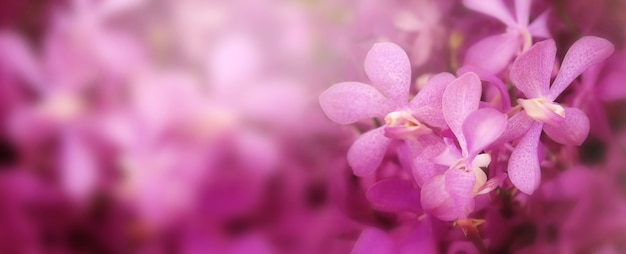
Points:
point(367, 152)
point(374, 240)
point(426, 105)
point(19, 57)
point(394, 195)
point(539, 27)
point(424, 170)
point(436, 201)
point(531, 71)
point(493, 54)
point(522, 11)
point(494, 8)
point(460, 99)
point(585, 52)
point(460, 185)
point(516, 127)
point(481, 128)
point(421, 238)
point(389, 69)
point(571, 131)
point(79, 169)
point(348, 102)
point(524, 170)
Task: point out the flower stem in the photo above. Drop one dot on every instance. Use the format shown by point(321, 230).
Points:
point(470, 229)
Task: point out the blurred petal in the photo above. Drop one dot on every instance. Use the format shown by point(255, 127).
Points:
point(572, 131)
point(373, 240)
point(481, 128)
point(493, 54)
point(460, 185)
point(18, 56)
point(79, 169)
point(585, 52)
point(460, 99)
point(394, 195)
point(114, 7)
point(539, 27)
point(522, 11)
point(531, 71)
point(348, 102)
point(426, 105)
point(610, 86)
point(516, 127)
point(600, 127)
point(422, 239)
point(494, 8)
point(524, 170)
point(367, 152)
point(422, 48)
point(389, 69)
point(436, 201)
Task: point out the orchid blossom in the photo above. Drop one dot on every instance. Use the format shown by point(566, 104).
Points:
point(449, 195)
point(493, 54)
point(531, 75)
point(388, 67)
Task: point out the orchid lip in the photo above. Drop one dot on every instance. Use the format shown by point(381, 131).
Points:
point(402, 125)
point(543, 110)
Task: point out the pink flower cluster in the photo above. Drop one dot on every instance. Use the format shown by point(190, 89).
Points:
point(209, 126)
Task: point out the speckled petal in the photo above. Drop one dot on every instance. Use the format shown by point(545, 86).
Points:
point(531, 71)
point(585, 52)
point(367, 152)
point(389, 69)
point(572, 131)
point(348, 102)
point(524, 170)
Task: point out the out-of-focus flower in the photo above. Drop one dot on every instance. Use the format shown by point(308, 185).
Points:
point(494, 53)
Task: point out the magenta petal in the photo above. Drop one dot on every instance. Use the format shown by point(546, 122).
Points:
point(394, 195)
point(481, 128)
point(422, 239)
point(79, 168)
point(531, 71)
point(367, 152)
point(612, 88)
point(436, 201)
point(373, 240)
point(389, 69)
point(460, 99)
point(522, 11)
point(572, 131)
point(524, 170)
point(493, 54)
point(516, 127)
point(539, 27)
point(426, 105)
point(424, 170)
point(494, 8)
point(460, 185)
point(585, 52)
point(19, 57)
point(348, 102)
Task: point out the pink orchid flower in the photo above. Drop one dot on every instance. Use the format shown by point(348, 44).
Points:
point(494, 53)
point(388, 67)
point(531, 74)
point(449, 195)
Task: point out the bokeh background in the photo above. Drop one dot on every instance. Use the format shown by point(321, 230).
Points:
point(193, 126)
